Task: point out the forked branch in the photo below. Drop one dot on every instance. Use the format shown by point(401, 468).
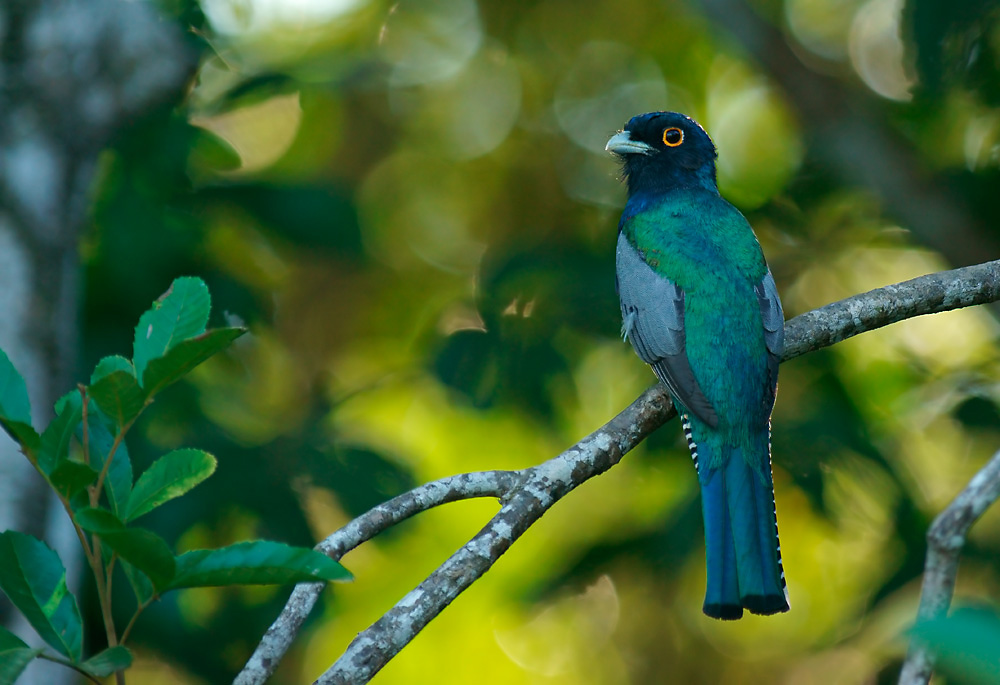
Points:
point(527, 494)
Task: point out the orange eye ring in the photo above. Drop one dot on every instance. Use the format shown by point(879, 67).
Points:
point(673, 136)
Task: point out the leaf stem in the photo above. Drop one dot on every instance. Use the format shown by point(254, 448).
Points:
point(138, 610)
point(95, 556)
point(110, 570)
point(107, 461)
point(79, 531)
point(84, 399)
point(96, 491)
point(103, 593)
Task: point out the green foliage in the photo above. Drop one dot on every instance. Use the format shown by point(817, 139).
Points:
point(15, 410)
point(14, 403)
point(94, 483)
point(116, 391)
point(56, 438)
point(34, 579)
point(184, 356)
point(70, 477)
point(103, 664)
point(9, 640)
point(181, 313)
point(170, 476)
point(145, 550)
point(254, 563)
point(966, 644)
point(14, 661)
point(950, 43)
point(140, 583)
point(118, 480)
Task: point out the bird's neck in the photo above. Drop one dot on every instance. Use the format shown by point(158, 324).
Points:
point(647, 198)
point(646, 177)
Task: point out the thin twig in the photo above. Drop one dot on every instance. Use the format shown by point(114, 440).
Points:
point(84, 401)
point(96, 491)
point(529, 493)
point(135, 617)
point(945, 540)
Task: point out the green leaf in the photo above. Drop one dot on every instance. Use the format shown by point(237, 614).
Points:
point(170, 476)
point(109, 365)
point(119, 396)
point(14, 661)
point(23, 433)
point(214, 152)
point(966, 644)
point(15, 410)
point(142, 548)
point(139, 581)
point(118, 482)
point(70, 477)
point(9, 640)
point(113, 386)
point(112, 659)
point(255, 563)
point(57, 436)
point(185, 356)
point(33, 578)
point(14, 405)
point(181, 313)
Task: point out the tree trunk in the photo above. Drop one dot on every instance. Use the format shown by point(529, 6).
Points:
point(72, 72)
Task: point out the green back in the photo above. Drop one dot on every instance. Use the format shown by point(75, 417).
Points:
point(704, 245)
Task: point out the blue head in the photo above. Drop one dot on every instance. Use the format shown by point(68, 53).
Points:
point(661, 151)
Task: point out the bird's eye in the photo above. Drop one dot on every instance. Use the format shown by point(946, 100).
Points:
point(672, 137)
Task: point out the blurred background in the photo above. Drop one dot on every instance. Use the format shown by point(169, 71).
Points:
point(411, 207)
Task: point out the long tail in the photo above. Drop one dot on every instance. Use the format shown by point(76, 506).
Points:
point(741, 534)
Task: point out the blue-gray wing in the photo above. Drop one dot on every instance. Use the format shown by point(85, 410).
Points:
point(653, 321)
point(774, 326)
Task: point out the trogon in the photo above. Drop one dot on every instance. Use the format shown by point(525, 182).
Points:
point(699, 305)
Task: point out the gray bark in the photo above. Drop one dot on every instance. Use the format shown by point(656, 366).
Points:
point(945, 541)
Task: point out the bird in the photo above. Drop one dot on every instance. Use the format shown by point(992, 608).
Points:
point(700, 306)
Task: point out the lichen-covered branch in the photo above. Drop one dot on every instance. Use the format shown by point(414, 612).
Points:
point(542, 487)
point(930, 294)
point(279, 636)
point(945, 540)
point(527, 494)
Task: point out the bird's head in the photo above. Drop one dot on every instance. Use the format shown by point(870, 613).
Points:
point(661, 151)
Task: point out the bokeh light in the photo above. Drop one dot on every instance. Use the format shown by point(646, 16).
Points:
point(757, 138)
point(822, 26)
point(259, 16)
point(607, 82)
point(469, 114)
point(429, 40)
point(876, 49)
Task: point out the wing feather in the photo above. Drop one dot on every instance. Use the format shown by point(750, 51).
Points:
point(653, 321)
point(774, 326)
